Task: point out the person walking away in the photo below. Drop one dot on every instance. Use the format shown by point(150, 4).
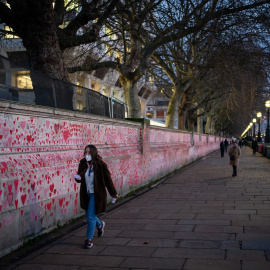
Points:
point(222, 148)
point(234, 154)
point(254, 146)
point(94, 177)
point(226, 143)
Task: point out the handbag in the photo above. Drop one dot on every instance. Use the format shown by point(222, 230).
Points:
point(232, 157)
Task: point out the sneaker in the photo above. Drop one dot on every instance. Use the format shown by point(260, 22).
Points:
point(101, 229)
point(88, 243)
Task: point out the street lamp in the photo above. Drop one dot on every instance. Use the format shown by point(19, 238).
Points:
point(254, 123)
point(267, 135)
point(259, 115)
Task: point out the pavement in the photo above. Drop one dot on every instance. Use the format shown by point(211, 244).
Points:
point(201, 218)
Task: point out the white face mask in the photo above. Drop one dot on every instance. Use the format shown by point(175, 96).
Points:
point(88, 157)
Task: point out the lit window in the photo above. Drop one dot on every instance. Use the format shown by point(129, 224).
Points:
point(79, 105)
point(79, 89)
point(10, 35)
point(23, 80)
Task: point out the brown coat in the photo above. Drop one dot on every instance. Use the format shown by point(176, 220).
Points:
point(235, 150)
point(102, 179)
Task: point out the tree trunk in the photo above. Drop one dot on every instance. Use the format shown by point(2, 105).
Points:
point(190, 124)
point(37, 29)
point(171, 110)
point(131, 97)
point(208, 125)
point(199, 121)
point(182, 112)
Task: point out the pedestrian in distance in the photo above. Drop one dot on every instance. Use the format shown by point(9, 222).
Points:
point(234, 154)
point(222, 148)
point(254, 146)
point(240, 143)
point(226, 143)
point(94, 177)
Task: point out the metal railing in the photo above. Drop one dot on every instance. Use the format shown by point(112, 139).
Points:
point(18, 83)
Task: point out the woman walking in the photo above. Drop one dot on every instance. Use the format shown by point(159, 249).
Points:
point(94, 177)
point(234, 154)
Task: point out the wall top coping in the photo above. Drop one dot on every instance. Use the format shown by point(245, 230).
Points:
point(10, 107)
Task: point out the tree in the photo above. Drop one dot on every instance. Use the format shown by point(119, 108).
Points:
point(187, 64)
point(145, 26)
point(49, 27)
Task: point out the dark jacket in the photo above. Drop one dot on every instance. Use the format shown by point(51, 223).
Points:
point(102, 180)
point(222, 146)
point(254, 145)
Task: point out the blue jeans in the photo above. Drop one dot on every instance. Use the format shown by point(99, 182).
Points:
point(92, 219)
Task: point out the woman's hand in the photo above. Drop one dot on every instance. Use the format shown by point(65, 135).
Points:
point(77, 177)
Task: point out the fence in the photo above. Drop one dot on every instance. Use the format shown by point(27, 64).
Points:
point(21, 84)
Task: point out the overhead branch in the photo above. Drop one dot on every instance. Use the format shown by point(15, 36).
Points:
point(6, 15)
point(169, 35)
point(59, 11)
point(94, 66)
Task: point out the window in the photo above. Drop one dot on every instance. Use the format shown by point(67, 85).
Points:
point(23, 80)
point(79, 89)
point(10, 35)
point(79, 105)
point(160, 114)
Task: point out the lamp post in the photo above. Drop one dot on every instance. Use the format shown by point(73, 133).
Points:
point(259, 115)
point(250, 132)
point(254, 123)
point(267, 135)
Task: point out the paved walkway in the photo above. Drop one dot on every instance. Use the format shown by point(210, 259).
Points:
point(200, 219)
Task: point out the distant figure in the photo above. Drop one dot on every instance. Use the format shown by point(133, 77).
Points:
point(234, 154)
point(240, 143)
point(245, 143)
point(254, 146)
point(222, 148)
point(226, 143)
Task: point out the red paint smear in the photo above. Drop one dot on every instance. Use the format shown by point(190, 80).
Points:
point(23, 198)
point(9, 188)
point(51, 187)
point(16, 204)
point(16, 183)
point(61, 202)
point(49, 206)
point(5, 166)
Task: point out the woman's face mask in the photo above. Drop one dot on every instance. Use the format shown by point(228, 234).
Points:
point(88, 157)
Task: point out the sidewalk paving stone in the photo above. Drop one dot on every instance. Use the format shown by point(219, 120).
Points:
point(202, 264)
point(201, 218)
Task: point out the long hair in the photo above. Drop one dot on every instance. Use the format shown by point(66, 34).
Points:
point(93, 152)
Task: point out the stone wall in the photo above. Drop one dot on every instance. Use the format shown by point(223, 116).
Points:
point(39, 152)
